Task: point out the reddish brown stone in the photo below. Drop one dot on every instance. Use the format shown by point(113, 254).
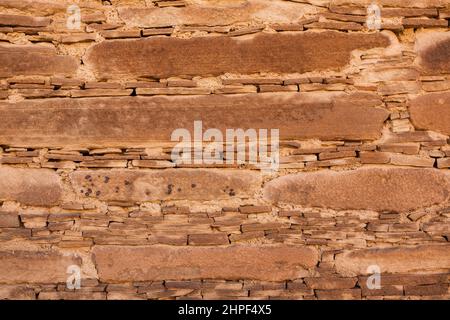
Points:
point(329, 283)
point(152, 263)
point(34, 60)
point(208, 239)
point(419, 259)
point(399, 189)
point(125, 121)
point(169, 184)
point(216, 14)
point(39, 187)
point(9, 220)
point(35, 266)
point(284, 53)
point(434, 52)
point(431, 112)
point(23, 21)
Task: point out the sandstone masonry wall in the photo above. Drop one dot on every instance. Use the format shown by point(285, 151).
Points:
point(87, 178)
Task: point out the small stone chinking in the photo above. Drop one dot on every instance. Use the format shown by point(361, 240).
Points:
point(87, 109)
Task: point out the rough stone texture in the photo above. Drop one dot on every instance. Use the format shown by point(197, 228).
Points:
point(30, 186)
point(34, 60)
point(87, 115)
point(170, 184)
point(434, 52)
point(152, 263)
point(432, 112)
point(418, 259)
point(308, 115)
point(217, 14)
point(35, 266)
point(287, 53)
point(398, 189)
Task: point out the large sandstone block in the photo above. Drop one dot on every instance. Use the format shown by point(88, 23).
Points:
point(264, 52)
point(39, 187)
point(125, 121)
point(23, 21)
point(216, 14)
point(369, 188)
point(433, 258)
point(35, 266)
point(433, 51)
point(431, 112)
point(44, 7)
point(18, 60)
point(152, 263)
point(169, 184)
point(392, 3)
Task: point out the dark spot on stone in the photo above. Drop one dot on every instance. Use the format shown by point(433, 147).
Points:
point(169, 188)
point(232, 193)
point(106, 180)
point(97, 193)
point(87, 177)
point(127, 182)
point(193, 185)
point(437, 57)
point(179, 189)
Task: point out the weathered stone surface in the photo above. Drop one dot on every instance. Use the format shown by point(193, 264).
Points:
point(44, 7)
point(9, 220)
point(35, 266)
point(40, 187)
point(100, 122)
point(34, 60)
point(418, 259)
point(13, 292)
point(433, 52)
point(216, 14)
point(169, 184)
point(392, 3)
point(23, 21)
point(431, 112)
point(284, 53)
point(398, 189)
point(149, 263)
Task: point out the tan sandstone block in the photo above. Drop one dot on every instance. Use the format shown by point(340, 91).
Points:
point(169, 184)
point(283, 53)
point(216, 14)
point(158, 262)
point(39, 187)
point(399, 189)
point(119, 121)
point(418, 259)
point(23, 21)
point(35, 266)
point(34, 60)
point(433, 52)
point(431, 112)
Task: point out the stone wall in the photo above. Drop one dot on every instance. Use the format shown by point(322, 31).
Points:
point(87, 178)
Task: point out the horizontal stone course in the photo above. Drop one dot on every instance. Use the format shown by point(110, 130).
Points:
point(153, 263)
point(398, 189)
point(283, 53)
point(407, 260)
point(34, 60)
point(38, 187)
point(170, 184)
point(138, 121)
point(18, 266)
